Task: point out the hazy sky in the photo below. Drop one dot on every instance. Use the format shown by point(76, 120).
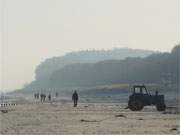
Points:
point(33, 30)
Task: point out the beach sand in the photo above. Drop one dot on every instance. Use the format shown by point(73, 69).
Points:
point(60, 118)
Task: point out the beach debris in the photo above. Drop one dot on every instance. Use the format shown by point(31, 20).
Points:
point(86, 106)
point(83, 120)
point(174, 129)
point(140, 119)
point(120, 115)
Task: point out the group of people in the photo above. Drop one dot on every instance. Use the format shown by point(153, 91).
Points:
point(42, 97)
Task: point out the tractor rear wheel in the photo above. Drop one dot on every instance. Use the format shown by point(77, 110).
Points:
point(135, 105)
point(161, 107)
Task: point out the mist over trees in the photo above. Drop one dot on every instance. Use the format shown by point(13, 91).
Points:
point(44, 71)
point(46, 68)
point(92, 68)
point(152, 69)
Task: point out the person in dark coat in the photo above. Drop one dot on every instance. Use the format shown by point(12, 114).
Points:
point(43, 97)
point(49, 97)
point(75, 98)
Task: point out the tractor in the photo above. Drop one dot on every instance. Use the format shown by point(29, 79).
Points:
point(141, 97)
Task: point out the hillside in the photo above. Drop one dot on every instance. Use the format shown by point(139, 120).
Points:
point(157, 68)
point(45, 70)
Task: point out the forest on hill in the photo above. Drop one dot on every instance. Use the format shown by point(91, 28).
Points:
point(157, 68)
point(97, 68)
point(50, 65)
point(47, 68)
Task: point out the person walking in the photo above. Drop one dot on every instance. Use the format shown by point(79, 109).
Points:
point(49, 97)
point(75, 98)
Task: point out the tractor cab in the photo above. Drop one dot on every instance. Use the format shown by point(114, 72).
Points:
point(140, 89)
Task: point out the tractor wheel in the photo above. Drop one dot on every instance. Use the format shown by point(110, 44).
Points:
point(135, 105)
point(161, 107)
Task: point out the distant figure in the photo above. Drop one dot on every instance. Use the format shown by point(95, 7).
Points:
point(56, 94)
point(43, 97)
point(75, 98)
point(156, 93)
point(36, 95)
point(49, 97)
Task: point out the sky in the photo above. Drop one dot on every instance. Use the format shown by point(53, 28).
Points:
point(33, 30)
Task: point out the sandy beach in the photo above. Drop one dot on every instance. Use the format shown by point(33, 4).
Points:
point(60, 118)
